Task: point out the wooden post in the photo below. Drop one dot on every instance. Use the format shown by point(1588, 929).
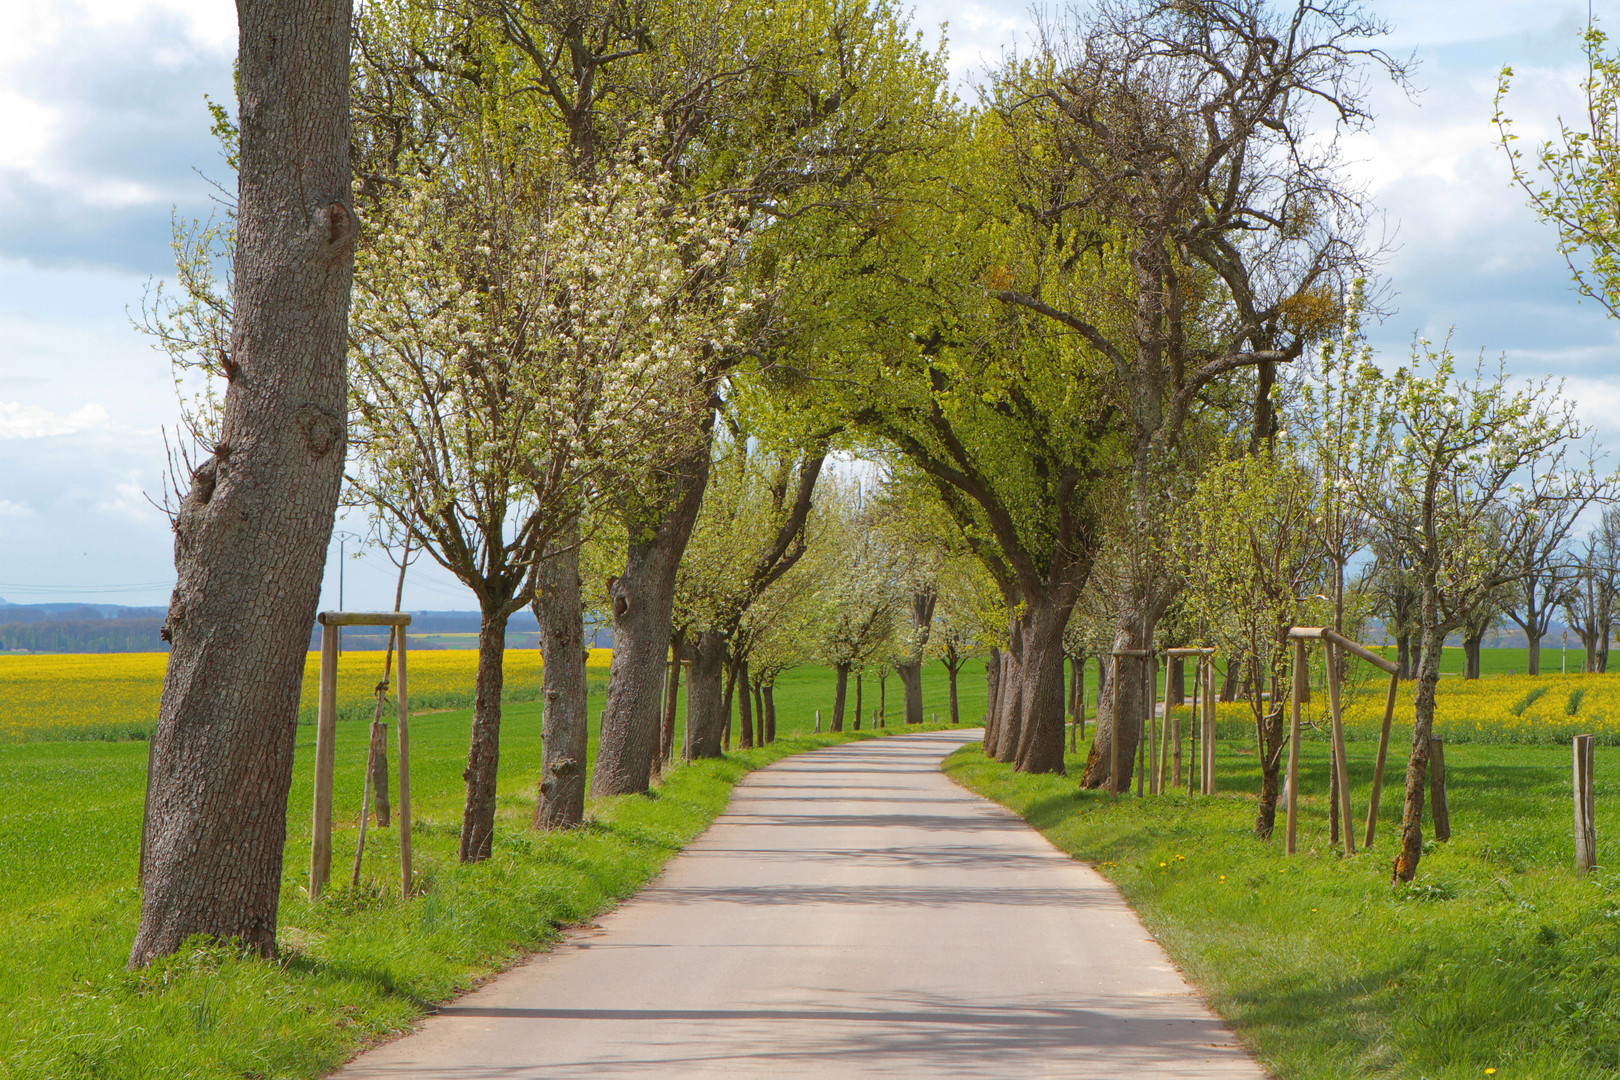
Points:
point(1164, 738)
point(1193, 745)
point(1383, 753)
point(1437, 790)
point(1080, 709)
point(402, 693)
point(818, 721)
point(1209, 724)
point(1113, 740)
point(320, 851)
point(1151, 720)
point(1293, 744)
point(1341, 768)
point(1585, 806)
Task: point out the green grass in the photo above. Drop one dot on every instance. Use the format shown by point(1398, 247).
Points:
point(1497, 956)
point(356, 967)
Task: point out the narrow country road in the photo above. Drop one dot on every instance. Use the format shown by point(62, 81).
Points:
point(853, 914)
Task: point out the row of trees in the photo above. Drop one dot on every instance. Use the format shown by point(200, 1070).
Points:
point(635, 277)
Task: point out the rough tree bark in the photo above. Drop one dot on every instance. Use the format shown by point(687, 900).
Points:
point(672, 695)
point(705, 715)
point(1471, 646)
point(910, 671)
point(561, 802)
point(767, 704)
point(839, 692)
point(251, 534)
point(1410, 849)
point(992, 706)
point(745, 708)
point(643, 599)
point(484, 747)
point(858, 675)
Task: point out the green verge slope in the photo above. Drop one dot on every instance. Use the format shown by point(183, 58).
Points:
point(1497, 958)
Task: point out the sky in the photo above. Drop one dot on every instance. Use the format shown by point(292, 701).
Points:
point(104, 118)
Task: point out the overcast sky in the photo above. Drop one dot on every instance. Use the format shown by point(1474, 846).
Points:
point(103, 118)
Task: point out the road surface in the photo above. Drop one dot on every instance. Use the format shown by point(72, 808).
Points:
point(852, 915)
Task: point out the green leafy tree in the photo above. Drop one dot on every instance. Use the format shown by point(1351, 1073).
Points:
point(1466, 468)
point(1573, 181)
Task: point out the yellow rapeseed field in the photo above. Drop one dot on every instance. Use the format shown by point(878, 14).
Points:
point(1498, 708)
point(116, 694)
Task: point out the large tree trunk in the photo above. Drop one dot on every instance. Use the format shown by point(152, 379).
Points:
point(950, 678)
point(643, 599)
point(1040, 671)
point(858, 700)
point(992, 700)
point(1119, 712)
point(561, 801)
point(1178, 682)
point(1471, 655)
point(1403, 656)
point(881, 717)
point(1532, 642)
point(705, 712)
point(1229, 679)
point(910, 674)
point(252, 532)
point(767, 702)
point(840, 690)
point(1410, 849)
point(725, 706)
point(745, 709)
point(1009, 701)
point(672, 696)
point(484, 749)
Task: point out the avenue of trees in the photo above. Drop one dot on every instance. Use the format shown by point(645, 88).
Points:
point(740, 332)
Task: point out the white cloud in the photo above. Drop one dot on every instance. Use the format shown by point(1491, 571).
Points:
point(14, 511)
point(18, 421)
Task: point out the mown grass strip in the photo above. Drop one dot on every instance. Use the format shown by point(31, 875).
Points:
point(1497, 957)
point(357, 967)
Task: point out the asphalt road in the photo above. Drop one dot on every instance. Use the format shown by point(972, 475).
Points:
point(853, 914)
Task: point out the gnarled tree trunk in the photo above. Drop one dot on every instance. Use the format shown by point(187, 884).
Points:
point(643, 599)
point(484, 747)
point(251, 534)
point(561, 801)
point(705, 710)
point(839, 692)
point(1410, 849)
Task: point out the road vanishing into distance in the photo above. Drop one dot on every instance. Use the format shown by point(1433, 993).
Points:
point(853, 914)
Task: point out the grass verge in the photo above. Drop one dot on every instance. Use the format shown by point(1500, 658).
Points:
point(355, 968)
point(1496, 958)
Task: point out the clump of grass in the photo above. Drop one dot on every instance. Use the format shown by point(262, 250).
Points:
point(1531, 696)
point(1575, 696)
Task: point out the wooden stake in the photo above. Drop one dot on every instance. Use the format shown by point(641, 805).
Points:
point(320, 848)
point(1383, 753)
point(403, 723)
point(1193, 743)
point(1113, 739)
point(1164, 737)
point(1585, 806)
point(1341, 768)
point(1209, 726)
point(1293, 744)
point(1437, 790)
point(1151, 717)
